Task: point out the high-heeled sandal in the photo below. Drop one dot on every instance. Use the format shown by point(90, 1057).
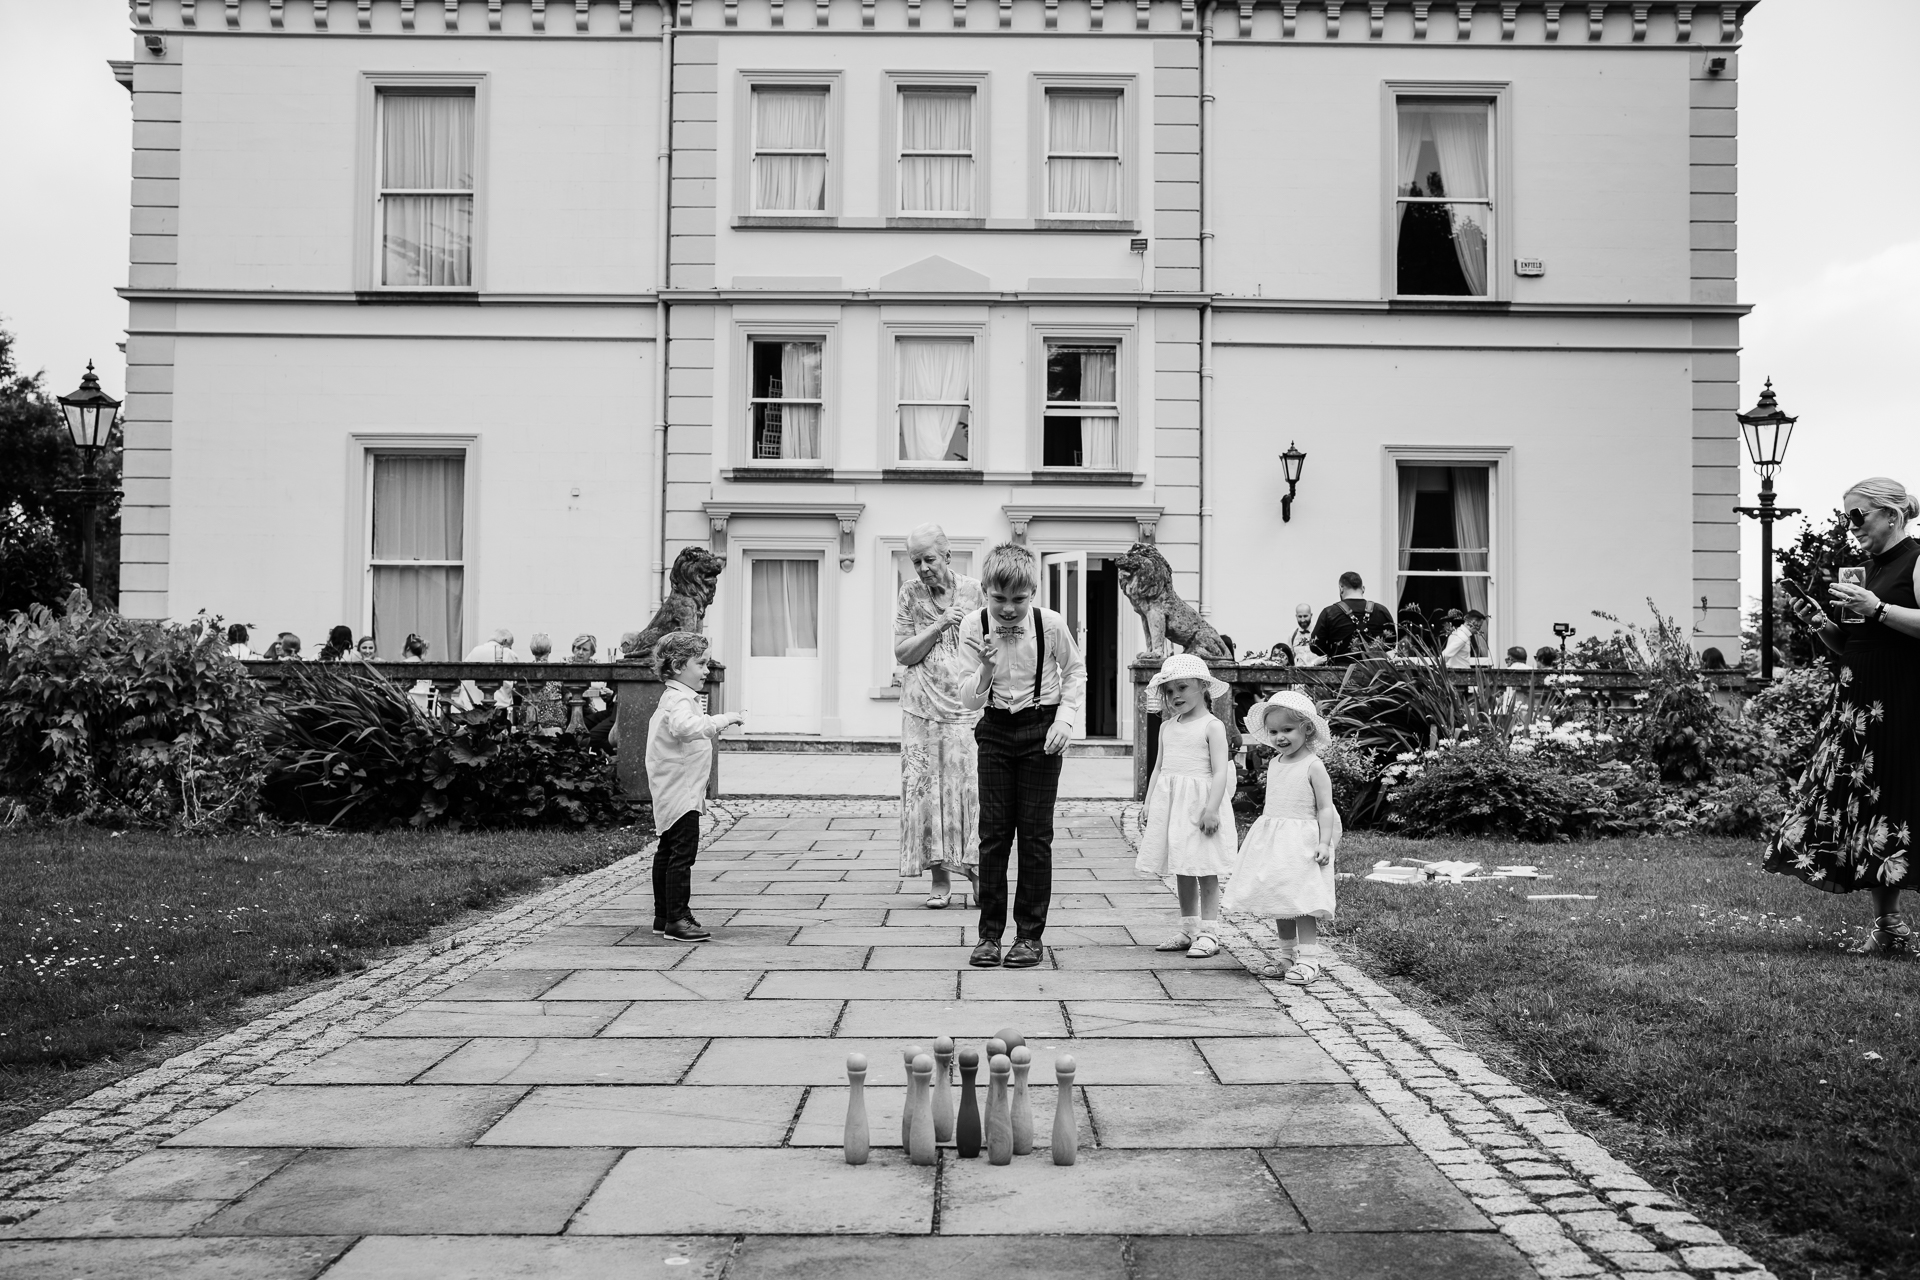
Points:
point(1890, 936)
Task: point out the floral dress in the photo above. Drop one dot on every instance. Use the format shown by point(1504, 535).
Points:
point(1851, 825)
point(939, 764)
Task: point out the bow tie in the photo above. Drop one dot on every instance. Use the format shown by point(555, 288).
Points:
point(1014, 632)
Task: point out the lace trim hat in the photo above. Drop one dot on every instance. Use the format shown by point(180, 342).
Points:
point(1298, 703)
point(1185, 666)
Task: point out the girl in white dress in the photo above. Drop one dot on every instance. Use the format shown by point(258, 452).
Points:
point(1286, 864)
point(1190, 833)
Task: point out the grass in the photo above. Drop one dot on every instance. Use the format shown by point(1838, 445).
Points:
point(1760, 1072)
point(112, 943)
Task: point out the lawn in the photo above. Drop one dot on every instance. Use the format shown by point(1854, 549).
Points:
point(1756, 1069)
point(111, 942)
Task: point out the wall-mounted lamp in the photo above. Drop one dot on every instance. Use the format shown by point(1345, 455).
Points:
point(157, 46)
point(1293, 460)
point(1137, 245)
point(1716, 65)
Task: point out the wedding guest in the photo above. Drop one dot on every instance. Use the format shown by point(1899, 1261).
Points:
point(339, 644)
point(367, 649)
point(1711, 659)
point(1464, 642)
point(544, 706)
point(1355, 627)
point(289, 647)
point(425, 696)
point(1546, 657)
point(498, 649)
point(1517, 658)
point(1299, 645)
point(596, 710)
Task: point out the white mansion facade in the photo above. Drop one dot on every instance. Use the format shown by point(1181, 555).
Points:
point(449, 315)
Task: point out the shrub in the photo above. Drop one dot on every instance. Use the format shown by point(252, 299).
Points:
point(352, 750)
point(1483, 789)
point(1791, 709)
point(1355, 772)
point(113, 719)
point(33, 567)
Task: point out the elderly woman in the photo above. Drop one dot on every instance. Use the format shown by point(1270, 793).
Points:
point(939, 767)
point(1852, 825)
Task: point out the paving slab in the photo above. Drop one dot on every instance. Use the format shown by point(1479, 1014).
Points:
point(468, 1190)
point(354, 1115)
point(725, 1018)
point(95, 1218)
point(1261, 1115)
point(724, 957)
point(1055, 984)
point(859, 984)
point(821, 1061)
point(758, 1191)
point(588, 935)
point(542, 1018)
point(961, 1019)
point(534, 1258)
point(952, 958)
point(1386, 1256)
point(1372, 1189)
point(623, 1061)
point(189, 1174)
point(1142, 957)
point(945, 1257)
point(639, 984)
point(823, 1119)
point(579, 1116)
point(1213, 984)
point(505, 984)
point(1181, 1018)
point(375, 1062)
point(288, 1258)
point(1110, 1192)
point(1271, 1060)
point(541, 956)
point(950, 934)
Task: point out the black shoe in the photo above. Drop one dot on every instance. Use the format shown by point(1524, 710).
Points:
point(660, 926)
point(1024, 953)
point(686, 931)
point(986, 955)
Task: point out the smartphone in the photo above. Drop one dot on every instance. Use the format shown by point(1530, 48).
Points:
point(1801, 594)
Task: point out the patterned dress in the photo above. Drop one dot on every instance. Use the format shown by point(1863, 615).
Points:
point(939, 765)
point(1851, 826)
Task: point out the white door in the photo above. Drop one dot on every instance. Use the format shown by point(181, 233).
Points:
point(1066, 591)
point(782, 692)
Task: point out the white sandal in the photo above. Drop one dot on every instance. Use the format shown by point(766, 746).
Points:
point(938, 901)
point(1302, 973)
point(1203, 946)
point(1179, 942)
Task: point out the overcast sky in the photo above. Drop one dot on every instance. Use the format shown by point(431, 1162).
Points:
point(1829, 248)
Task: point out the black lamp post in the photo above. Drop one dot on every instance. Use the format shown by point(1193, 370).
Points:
point(1767, 431)
point(90, 415)
point(1293, 460)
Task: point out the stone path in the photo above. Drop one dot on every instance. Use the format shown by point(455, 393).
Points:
point(567, 1095)
point(797, 773)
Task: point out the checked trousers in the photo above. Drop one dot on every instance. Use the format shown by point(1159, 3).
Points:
point(673, 869)
point(1018, 784)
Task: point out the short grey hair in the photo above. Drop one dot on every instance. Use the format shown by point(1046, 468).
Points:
point(929, 533)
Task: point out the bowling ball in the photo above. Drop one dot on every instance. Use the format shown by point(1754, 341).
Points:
point(1012, 1038)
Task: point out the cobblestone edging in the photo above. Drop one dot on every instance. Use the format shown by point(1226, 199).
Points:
point(1569, 1206)
point(64, 1150)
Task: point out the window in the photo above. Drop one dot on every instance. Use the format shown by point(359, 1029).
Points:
point(1443, 199)
point(425, 199)
point(785, 609)
point(1083, 153)
point(785, 395)
point(416, 552)
point(1081, 422)
point(933, 379)
point(789, 149)
point(936, 151)
point(1446, 530)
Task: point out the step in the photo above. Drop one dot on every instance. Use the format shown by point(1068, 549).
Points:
point(821, 744)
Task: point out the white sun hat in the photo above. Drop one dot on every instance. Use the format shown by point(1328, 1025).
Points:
point(1185, 666)
point(1298, 703)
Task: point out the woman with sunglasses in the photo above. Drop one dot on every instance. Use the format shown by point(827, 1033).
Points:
point(1852, 825)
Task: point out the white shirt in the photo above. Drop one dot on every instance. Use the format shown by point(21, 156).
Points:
point(679, 754)
point(1459, 650)
point(469, 696)
point(1063, 681)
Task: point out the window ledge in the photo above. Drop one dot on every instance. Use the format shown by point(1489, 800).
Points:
point(1447, 304)
point(1083, 476)
point(779, 475)
point(932, 475)
point(1085, 224)
point(786, 220)
point(935, 222)
point(417, 297)
point(886, 693)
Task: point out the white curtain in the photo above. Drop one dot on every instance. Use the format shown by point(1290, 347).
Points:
point(419, 513)
point(800, 380)
point(1099, 437)
point(427, 144)
point(1078, 124)
point(933, 370)
point(1472, 522)
point(1458, 132)
point(1409, 495)
point(1413, 136)
point(936, 122)
point(786, 609)
point(789, 120)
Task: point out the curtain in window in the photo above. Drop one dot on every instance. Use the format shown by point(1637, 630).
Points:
point(1099, 437)
point(786, 609)
point(1409, 494)
point(427, 143)
point(936, 122)
point(800, 379)
point(1458, 132)
point(789, 120)
point(1472, 523)
point(1083, 122)
point(931, 370)
point(419, 513)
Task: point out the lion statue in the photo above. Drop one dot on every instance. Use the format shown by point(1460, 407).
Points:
point(1147, 579)
point(696, 570)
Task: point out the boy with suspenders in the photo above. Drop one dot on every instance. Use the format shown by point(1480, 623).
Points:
point(1019, 662)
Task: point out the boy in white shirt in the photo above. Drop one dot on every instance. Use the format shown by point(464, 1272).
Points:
point(679, 761)
point(1019, 662)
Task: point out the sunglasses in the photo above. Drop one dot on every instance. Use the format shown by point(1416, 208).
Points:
point(1856, 517)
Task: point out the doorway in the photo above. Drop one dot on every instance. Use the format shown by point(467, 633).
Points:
point(1085, 590)
point(782, 693)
